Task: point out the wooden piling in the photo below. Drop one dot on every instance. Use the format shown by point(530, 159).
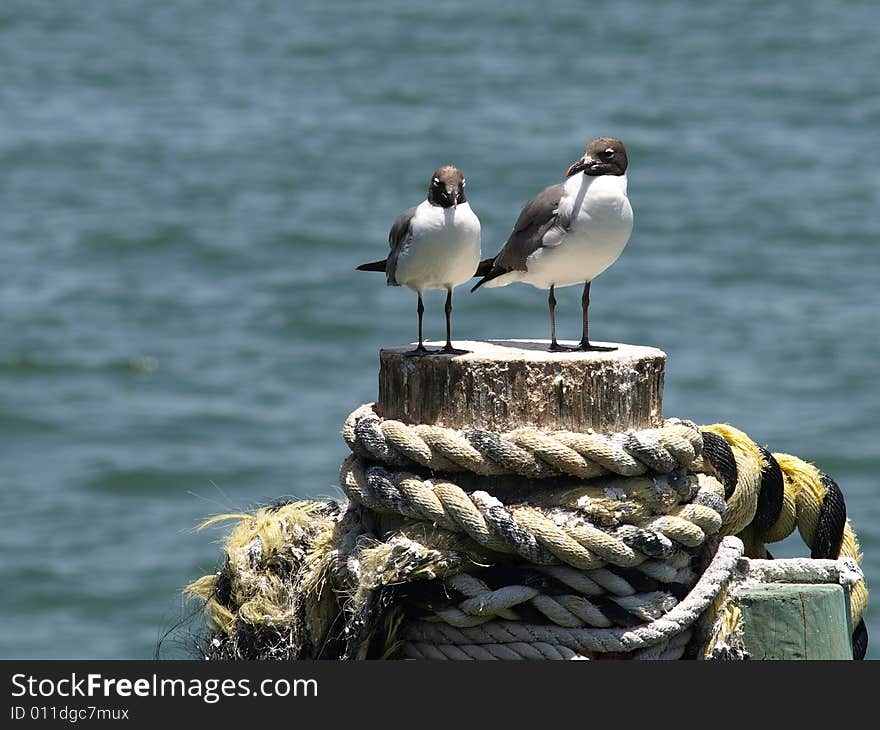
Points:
point(506, 384)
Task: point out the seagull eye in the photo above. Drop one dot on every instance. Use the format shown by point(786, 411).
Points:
point(436, 181)
point(608, 154)
point(463, 183)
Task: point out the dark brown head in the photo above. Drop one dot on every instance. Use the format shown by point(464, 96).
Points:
point(446, 188)
point(603, 156)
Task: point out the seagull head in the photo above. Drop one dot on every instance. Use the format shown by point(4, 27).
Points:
point(603, 156)
point(446, 188)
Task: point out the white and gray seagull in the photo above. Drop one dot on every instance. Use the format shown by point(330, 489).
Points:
point(435, 245)
point(569, 233)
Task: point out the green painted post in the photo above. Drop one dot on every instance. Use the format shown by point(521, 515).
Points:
point(795, 621)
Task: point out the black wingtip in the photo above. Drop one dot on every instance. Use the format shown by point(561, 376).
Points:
point(373, 266)
point(484, 269)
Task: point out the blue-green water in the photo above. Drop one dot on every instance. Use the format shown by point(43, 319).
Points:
point(185, 189)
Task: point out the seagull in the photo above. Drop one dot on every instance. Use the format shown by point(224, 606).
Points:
point(435, 245)
point(569, 233)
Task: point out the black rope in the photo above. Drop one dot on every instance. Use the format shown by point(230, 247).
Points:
point(860, 641)
point(832, 520)
point(720, 456)
point(770, 496)
point(827, 542)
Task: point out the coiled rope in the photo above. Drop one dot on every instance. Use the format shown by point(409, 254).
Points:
point(467, 544)
point(525, 452)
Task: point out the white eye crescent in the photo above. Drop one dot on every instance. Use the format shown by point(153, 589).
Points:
point(436, 181)
point(463, 183)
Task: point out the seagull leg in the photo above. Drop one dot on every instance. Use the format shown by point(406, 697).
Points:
point(585, 340)
point(449, 349)
point(554, 345)
point(421, 349)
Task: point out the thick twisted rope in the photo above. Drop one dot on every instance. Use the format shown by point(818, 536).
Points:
point(586, 547)
point(769, 495)
point(766, 496)
point(591, 640)
point(666, 650)
point(623, 606)
point(525, 452)
point(538, 535)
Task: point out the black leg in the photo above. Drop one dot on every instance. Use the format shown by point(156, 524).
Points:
point(585, 339)
point(554, 345)
point(421, 310)
point(449, 349)
point(585, 310)
point(421, 349)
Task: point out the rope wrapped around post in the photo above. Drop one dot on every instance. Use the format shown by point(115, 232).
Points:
point(529, 544)
point(525, 452)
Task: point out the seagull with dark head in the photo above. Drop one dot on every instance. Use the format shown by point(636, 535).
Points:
point(435, 245)
point(569, 233)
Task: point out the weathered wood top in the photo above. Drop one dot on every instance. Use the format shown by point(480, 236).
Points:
point(505, 384)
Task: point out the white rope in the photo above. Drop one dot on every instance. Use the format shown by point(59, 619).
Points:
point(585, 640)
point(844, 571)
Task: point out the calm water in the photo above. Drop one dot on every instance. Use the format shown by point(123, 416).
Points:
point(185, 190)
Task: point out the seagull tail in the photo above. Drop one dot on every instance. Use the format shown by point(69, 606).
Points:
point(373, 266)
point(487, 270)
point(484, 269)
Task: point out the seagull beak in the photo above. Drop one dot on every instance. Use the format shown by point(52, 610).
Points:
point(579, 166)
point(454, 195)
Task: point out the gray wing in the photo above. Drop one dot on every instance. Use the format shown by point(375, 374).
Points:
point(399, 236)
point(539, 224)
